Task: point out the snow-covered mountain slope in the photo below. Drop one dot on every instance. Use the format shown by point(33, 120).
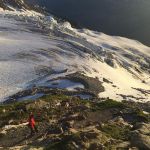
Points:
point(33, 45)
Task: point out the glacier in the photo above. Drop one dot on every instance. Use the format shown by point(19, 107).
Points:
point(33, 45)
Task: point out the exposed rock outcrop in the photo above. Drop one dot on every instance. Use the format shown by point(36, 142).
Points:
point(141, 136)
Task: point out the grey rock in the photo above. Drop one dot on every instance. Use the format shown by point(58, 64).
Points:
point(140, 140)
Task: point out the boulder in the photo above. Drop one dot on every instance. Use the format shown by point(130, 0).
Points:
point(123, 145)
point(3, 133)
point(90, 134)
point(55, 130)
point(142, 141)
point(96, 146)
point(120, 121)
point(143, 128)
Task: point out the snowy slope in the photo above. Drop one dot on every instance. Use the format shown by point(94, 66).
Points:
point(33, 45)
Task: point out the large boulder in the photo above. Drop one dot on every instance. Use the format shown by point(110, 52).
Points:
point(141, 136)
point(123, 145)
point(143, 128)
point(96, 146)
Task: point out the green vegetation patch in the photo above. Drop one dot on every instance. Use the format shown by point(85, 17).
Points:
point(141, 117)
point(108, 104)
point(116, 131)
point(59, 97)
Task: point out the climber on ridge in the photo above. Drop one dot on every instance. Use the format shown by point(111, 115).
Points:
point(32, 125)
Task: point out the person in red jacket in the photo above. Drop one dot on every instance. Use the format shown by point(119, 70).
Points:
point(32, 125)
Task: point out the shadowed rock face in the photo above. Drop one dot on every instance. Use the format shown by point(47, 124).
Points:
point(18, 4)
point(140, 136)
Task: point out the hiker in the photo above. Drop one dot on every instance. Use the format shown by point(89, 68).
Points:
point(31, 124)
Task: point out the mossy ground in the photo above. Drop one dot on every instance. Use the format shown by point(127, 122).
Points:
point(89, 120)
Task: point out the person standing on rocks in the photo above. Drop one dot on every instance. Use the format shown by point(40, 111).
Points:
point(32, 125)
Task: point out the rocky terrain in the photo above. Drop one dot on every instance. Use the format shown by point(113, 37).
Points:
point(70, 79)
point(59, 55)
point(72, 123)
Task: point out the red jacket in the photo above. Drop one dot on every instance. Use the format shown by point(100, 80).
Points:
point(31, 122)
